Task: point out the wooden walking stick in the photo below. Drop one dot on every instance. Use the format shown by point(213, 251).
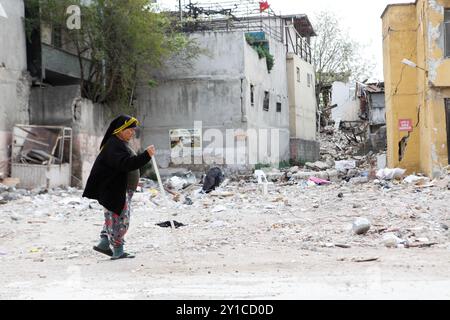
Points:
point(163, 192)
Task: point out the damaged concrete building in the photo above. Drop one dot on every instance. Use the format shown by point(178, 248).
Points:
point(360, 107)
point(231, 87)
point(301, 79)
point(417, 90)
point(40, 86)
point(14, 79)
point(56, 98)
point(372, 110)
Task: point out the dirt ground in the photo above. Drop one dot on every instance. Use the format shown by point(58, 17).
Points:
point(294, 243)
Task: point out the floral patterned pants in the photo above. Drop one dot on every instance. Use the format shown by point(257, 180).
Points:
point(116, 225)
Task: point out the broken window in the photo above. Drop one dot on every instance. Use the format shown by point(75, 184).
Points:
point(278, 106)
point(252, 95)
point(266, 101)
point(57, 37)
point(298, 74)
point(447, 32)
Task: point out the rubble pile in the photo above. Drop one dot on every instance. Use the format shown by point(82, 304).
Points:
point(338, 144)
point(314, 213)
point(356, 170)
point(10, 193)
point(288, 207)
point(305, 219)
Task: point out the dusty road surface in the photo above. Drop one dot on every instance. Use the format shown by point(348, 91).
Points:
point(294, 243)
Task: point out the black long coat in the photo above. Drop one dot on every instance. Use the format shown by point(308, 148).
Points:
point(107, 182)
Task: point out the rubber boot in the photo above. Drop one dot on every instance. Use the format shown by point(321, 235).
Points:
point(120, 254)
point(103, 247)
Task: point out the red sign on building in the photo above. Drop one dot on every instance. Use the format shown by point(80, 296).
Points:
point(405, 125)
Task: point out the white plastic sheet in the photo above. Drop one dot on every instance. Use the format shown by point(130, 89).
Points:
point(389, 174)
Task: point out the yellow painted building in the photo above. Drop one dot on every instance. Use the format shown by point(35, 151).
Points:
point(417, 89)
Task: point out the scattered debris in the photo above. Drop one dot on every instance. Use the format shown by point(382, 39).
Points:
point(188, 201)
point(219, 209)
point(361, 226)
point(365, 259)
point(345, 246)
point(319, 181)
point(390, 240)
point(212, 180)
point(359, 180)
point(413, 179)
point(390, 174)
point(167, 224)
point(262, 181)
point(175, 183)
point(218, 224)
point(181, 181)
point(295, 212)
point(344, 165)
point(43, 150)
point(318, 165)
point(420, 245)
point(15, 217)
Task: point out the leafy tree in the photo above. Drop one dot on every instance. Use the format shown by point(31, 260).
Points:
point(117, 44)
point(262, 50)
point(335, 55)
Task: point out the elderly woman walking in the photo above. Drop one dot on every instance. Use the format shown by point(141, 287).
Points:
point(113, 181)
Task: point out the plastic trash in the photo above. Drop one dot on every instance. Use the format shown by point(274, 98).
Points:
point(260, 176)
point(413, 179)
point(319, 181)
point(390, 240)
point(176, 183)
point(345, 165)
point(213, 179)
point(262, 181)
point(389, 174)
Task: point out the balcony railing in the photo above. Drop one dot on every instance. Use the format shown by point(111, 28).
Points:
point(297, 44)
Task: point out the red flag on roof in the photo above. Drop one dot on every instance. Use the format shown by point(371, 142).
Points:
point(263, 5)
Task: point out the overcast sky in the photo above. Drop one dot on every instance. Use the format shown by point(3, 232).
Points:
point(360, 17)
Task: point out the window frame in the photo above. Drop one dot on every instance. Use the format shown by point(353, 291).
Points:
point(252, 95)
point(279, 106)
point(266, 102)
point(57, 37)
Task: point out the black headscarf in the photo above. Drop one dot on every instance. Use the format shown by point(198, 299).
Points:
point(119, 124)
